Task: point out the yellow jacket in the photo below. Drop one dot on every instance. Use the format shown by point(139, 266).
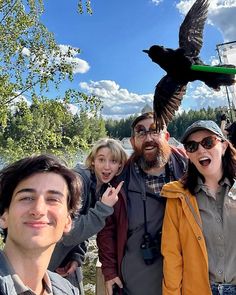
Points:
point(185, 265)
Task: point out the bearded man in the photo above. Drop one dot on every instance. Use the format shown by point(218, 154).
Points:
point(129, 245)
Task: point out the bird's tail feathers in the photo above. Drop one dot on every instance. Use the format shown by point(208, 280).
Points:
point(216, 80)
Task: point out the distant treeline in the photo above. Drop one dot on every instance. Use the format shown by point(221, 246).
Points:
point(48, 126)
point(120, 129)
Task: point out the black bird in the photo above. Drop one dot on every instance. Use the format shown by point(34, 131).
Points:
point(177, 63)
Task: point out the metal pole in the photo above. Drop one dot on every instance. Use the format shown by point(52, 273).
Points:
point(227, 91)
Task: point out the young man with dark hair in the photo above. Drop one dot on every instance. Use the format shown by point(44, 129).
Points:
point(38, 196)
point(129, 245)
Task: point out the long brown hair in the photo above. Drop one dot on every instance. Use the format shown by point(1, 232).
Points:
point(190, 177)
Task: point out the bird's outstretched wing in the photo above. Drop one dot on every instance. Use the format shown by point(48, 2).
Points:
point(191, 30)
point(167, 99)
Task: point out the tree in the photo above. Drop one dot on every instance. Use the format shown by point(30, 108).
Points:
point(98, 129)
point(48, 127)
point(30, 59)
point(121, 128)
point(87, 4)
point(30, 62)
point(181, 122)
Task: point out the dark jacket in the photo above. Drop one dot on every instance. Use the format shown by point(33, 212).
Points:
point(232, 133)
point(88, 200)
point(112, 238)
point(90, 221)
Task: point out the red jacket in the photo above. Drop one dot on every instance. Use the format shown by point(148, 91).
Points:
point(112, 239)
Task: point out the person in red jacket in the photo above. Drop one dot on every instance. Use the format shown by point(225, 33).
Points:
point(129, 244)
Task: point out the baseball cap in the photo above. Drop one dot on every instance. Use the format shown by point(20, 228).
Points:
point(203, 125)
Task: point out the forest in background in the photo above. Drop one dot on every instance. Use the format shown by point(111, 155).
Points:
point(120, 129)
point(49, 126)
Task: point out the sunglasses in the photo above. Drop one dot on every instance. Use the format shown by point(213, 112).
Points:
point(208, 143)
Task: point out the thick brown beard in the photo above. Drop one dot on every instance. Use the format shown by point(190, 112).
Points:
point(158, 159)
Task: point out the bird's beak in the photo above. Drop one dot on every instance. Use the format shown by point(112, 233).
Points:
point(146, 51)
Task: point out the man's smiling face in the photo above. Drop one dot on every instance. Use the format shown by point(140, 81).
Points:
point(150, 146)
point(38, 214)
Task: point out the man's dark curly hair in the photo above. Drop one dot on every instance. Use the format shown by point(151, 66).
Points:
point(11, 175)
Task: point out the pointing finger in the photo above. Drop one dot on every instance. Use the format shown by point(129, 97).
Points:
point(119, 187)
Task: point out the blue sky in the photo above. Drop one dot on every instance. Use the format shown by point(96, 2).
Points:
point(112, 65)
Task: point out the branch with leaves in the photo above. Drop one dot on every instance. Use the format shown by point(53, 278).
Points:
point(81, 6)
point(31, 60)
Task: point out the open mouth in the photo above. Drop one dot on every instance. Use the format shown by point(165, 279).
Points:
point(204, 161)
point(149, 147)
point(106, 175)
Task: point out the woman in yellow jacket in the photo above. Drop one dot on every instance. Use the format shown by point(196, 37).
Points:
point(199, 228)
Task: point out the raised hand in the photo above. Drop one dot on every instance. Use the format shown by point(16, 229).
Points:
point(110, 196)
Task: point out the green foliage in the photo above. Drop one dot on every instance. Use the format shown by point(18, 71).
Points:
point(87, 4)
point(47, 126)
point(121, 129)
point(180, 122)
point(31, 60)
point(26, 48)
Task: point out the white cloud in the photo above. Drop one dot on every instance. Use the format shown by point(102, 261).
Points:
point(73, 108)
point(156, 2)
point(120, 103)
point(64, 49)
point(200, 96)
point(79, 65)
point(26, 52)
point(117, 102)
point(20, 98)
point(221, 15)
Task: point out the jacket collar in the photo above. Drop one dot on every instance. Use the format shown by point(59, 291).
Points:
point(61, 286)
point(173, 190)
point(6, 267)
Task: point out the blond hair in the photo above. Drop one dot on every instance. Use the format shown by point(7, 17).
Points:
point(117, 151)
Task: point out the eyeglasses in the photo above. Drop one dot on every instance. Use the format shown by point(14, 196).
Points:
point(143, 133)
point(208, 143)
